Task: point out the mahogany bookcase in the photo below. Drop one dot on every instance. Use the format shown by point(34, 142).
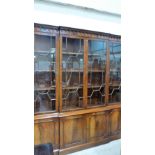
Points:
point(77, 87)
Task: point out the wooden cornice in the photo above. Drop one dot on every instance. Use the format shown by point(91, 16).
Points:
point(68, 31)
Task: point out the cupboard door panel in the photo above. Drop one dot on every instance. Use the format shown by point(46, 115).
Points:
point(97, 126)
point(72, 131)
point(115, 121)
point(46, 131)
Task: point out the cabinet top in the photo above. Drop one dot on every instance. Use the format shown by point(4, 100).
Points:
point(73, 32)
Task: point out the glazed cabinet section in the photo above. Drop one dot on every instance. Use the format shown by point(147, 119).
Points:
point(75, 69)
point(72, 72)
point(45, 70)
point(82, 131)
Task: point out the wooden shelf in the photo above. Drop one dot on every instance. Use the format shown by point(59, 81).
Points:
point(112, 53)
point(72, 87)
point(44, 88)
point(44, 71)
point(114, 84)
point(81, 86)
point(44, 113)
point(72, 70)
point(79, 70)
point(115, 70)
point(72, 53)
point(98, 55)
point(95, 86)
point(78, 53)
point(96, 70)
point(46, 52)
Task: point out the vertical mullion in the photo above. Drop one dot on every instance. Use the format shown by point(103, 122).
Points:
point(107, 76)
point(85, 74)
point(57, 73)
point(60, 73)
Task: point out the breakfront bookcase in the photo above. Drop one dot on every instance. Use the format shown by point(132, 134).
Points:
point(77, 87)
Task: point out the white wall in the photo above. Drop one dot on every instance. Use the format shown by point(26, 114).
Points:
point(113, 6)
point(53, 14)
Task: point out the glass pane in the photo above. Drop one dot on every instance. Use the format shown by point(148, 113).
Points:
point(115, 72)
point(96, 71)
point(44, 73)
point(72, 73)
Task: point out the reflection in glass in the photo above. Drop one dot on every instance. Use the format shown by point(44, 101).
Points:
point(96, 71)
point(44, 73)
point(72, 72)
point(115, 72)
